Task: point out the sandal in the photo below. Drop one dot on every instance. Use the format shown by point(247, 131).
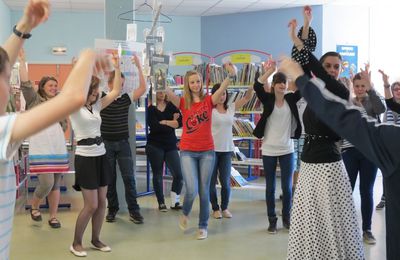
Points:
point(36, 215)
point(54, 223)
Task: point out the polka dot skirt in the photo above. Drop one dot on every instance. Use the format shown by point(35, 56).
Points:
point(323, 220)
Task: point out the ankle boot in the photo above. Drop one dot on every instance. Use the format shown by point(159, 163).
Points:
point(286, 222)
point(272, 225)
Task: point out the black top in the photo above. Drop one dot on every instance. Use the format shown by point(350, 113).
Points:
point(114, 119)
point(268, 101)
point(320, 145)
point(161, 135)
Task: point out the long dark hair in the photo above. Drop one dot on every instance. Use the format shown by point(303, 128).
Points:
point(215, 88)
point(330, 54)
point(94, 85)
point(42, 83)
point(278, 77)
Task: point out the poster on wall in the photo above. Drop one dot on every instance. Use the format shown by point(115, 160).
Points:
point(126, 49)
point(349, 55)
point(159, 71)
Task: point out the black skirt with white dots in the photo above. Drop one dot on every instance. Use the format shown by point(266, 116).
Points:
point(323, 220)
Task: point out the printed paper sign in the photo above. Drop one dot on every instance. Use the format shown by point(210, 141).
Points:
point(129, 69)
point(183, 60)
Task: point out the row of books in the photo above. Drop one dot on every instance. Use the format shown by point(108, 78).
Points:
point(246, 75)
point(202, 70)
point(237, 179)
point(253, 104)
point(242, 128)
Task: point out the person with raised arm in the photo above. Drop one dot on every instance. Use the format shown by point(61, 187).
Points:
point(370, 101)
point(197, 145)
point(92, 169)
point(377, 141)
point(278, 125)
point(323, 202)
point(13, 126)
point(48, 156)
point(115, 132)
point(222, 122)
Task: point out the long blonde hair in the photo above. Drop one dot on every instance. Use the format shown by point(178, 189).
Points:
point(187, 93)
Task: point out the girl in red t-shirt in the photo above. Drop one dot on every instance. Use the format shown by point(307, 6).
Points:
point(197, 145)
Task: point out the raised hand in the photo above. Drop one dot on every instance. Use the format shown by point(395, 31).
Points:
point(35, 13)
point(270, 66)
point(290, 68)
point(232, 70)
point(366, 75)
point(115, 61)
point(307, 15)
point(135, 60)
point(292, 28)
point(385, 78)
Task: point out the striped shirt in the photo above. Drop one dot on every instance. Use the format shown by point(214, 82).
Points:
point(114, 126)
point(346, 144)
point(7, 183)
point(392, 117)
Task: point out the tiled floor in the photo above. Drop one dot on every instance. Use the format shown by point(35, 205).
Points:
point(242, 237)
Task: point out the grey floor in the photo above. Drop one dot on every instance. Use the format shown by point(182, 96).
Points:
point(242, 237)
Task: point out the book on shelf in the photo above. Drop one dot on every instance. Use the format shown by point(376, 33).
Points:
point(237, 155)
point(237, 179)
point(253, 104)
point(202, 70)
point(242, 128)
point(246, 75)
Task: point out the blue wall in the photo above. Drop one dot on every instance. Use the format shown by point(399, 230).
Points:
point(5, 22)
point(183, 34)
point(264, 31)
point(74, 30)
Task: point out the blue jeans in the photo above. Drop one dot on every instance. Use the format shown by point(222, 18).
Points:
point(157, 156)
point(222, 166)
point(197, 168)
point(355, 163)
point(120, 151)
point(286, 163)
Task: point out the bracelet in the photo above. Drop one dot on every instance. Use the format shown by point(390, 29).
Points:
point(21, 34)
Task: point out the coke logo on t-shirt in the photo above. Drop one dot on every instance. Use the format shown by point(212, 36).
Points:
point(195, 120)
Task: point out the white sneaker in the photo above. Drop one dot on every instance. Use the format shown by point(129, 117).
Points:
point(202, 234)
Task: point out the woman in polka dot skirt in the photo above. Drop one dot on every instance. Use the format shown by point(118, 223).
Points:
point(323, 220)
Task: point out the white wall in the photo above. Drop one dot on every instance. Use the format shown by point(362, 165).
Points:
point(373, 29)
point(385, 40)
point(347, 25)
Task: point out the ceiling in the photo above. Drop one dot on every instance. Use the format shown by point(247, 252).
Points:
point(192, 7)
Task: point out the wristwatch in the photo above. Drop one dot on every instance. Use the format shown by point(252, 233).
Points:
point(21, 34)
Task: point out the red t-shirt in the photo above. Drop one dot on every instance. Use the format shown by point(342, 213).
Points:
point(196, 133)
